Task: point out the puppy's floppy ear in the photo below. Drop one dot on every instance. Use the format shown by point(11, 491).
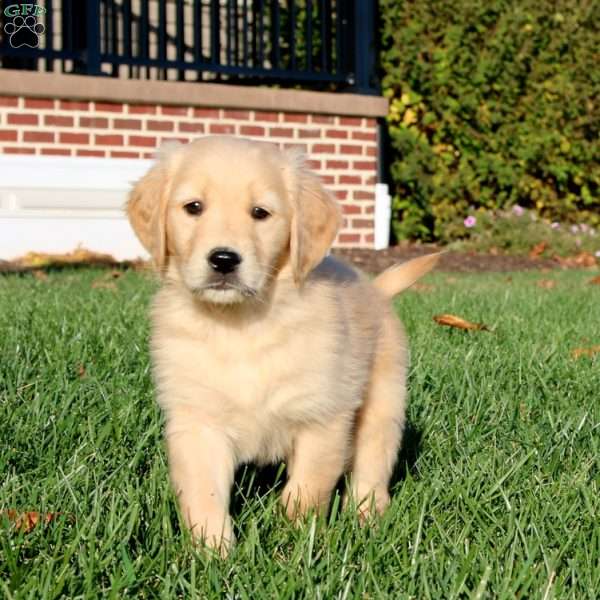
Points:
point(147, 208)
point(315, 221)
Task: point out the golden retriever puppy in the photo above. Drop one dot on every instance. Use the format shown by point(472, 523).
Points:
point(264, 349)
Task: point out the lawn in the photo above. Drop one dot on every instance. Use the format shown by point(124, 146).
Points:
point(496, 494)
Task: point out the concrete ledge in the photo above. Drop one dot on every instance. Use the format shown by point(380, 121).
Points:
point(107, 89)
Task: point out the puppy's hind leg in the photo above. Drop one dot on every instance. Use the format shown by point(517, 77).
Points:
point(380, 422)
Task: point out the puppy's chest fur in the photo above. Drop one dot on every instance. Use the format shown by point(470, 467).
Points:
point(263, 381)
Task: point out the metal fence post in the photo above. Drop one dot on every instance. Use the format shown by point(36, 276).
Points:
point(363, 16)
point(93, 37)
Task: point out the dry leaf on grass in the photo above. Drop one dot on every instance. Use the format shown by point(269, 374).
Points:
point(26, 521)
point(459, 323)
point(106, 285)
point(595, 280)
point(81, 371)
point(538, 250)
point(79, 255)
point(421, 287)
point(40, 275)
point(578, 352)
point(546, 284)
point(583, 259)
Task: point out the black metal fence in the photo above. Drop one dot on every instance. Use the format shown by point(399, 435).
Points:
point(313, 43)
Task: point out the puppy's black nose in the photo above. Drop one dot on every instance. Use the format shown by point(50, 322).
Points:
point(223, 260)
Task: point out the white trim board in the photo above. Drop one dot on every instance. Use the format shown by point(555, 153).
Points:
point(54, 204)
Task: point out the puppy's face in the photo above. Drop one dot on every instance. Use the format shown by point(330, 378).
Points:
point(229, 214)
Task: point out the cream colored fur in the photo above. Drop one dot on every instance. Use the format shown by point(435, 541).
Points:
point(299, 358)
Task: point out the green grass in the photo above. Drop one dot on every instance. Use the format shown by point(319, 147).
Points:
point(497, 489)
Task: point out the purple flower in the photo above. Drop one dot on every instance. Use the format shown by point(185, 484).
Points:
point(555, 225)
point(518, 210)
point(574, 228)
point(470, 221)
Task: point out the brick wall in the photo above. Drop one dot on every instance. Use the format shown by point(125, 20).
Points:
point(343, 150)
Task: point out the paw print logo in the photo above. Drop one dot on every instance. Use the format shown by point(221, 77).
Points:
point(24, 31)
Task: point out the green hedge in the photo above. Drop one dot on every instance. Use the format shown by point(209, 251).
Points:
point(492, 104)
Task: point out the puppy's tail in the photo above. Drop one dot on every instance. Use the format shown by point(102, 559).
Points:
point(399, 277)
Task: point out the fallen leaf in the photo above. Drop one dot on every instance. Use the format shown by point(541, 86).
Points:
point(26, 521)
point(538, 249)
point(81, 371)
point(116, 274)
point(459, 323)
point(451, 280)
point(546, 284)
point(595, 280)
point(508, 279)
point(578, 352)
point(422, 287)
point(583, 259)
point(106, 285)
point(40, 275)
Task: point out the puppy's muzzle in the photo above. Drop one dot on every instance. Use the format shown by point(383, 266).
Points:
point(224, 260)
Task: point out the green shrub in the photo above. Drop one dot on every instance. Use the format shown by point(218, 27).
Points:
point(491, 104)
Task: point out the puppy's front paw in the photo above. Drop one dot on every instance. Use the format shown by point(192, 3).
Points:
point(216, 534)
point(298, 501)
point(369, 504)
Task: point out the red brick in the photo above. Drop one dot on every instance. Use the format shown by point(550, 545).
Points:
point(371, 151)
point(109, 107)
point(142, 109)
point(341, 194)
point(98, 153)
point(39, 103)
point(151, 155)
point(252, 130)
point(281, 132)
point(108, 140)
point(314, 164)
point(348, 238)
point(350, 209)
point(73, 138)
point(309, 133)
point(9, 101)
point(336, 164)
point(18, 150)
point(295, 118)
point(370, 123)
point(362, 223)
point(140, 140)
point(58, 121)
point(153, 125)
point(191, 126)
point(127, 124)
point(336, 133)
point(96, 122)
point(222, 129)
point(19, 119)
point(347, 149)
point(176, 111)
point(369, 136)
point(350, 179)
point(56, 151)
point(118, 154)
point(38, 136)
point(206, 113)
point(372, 180)
point(323, 148)
point(266, 116)
point(73, 105)
point(362, 195)
point(8, 135)
point(328, 179)
point(364, 165)
point(243, 115)
point(323, 119)
point(352, 121)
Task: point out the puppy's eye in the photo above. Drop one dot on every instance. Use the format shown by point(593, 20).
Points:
point(195, 207)
point(260, 213)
